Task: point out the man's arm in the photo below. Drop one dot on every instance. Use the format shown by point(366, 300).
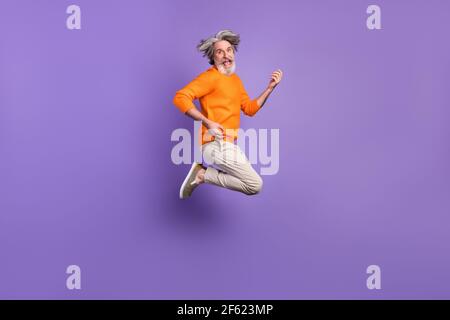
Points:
point(261, 100)
point(251, 107)
point(274, 81)
point(197, 88)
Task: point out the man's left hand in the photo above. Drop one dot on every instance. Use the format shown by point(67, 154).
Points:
point(275, 79)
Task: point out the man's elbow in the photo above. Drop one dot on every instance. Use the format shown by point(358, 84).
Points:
point(250, 111)
point(250, 114)
point(177, 99)
point(180, 102)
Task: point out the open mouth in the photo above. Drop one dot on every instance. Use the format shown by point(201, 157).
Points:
point(227, 63)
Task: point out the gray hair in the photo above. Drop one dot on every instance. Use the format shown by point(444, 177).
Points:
point(207, 46)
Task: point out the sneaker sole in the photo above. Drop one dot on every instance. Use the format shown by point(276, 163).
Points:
point(194, 165)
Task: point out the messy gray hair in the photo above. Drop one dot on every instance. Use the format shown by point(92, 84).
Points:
point(207, 46)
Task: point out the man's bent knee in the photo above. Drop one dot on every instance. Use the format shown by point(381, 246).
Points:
point(253, 186)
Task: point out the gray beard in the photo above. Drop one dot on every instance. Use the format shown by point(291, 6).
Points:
point(227, 71)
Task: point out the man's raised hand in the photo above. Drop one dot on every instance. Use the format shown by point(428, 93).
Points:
point(275, 79)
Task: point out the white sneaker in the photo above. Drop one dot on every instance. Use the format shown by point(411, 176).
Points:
point(189, 183)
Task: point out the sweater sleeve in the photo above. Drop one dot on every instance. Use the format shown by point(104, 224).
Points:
point(248, 106)
point(196, 89)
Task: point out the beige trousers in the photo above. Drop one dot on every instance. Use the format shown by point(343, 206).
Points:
point(228, 167)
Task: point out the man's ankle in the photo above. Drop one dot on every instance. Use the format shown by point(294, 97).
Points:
point(200, 178)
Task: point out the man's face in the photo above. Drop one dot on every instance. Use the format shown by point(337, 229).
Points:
point(224, 57)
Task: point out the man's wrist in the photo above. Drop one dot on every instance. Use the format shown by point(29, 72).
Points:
point(206, 122)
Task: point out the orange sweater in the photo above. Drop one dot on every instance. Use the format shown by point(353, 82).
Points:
point(221, 97)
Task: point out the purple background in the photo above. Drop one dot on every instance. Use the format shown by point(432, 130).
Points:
point(87, 179)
